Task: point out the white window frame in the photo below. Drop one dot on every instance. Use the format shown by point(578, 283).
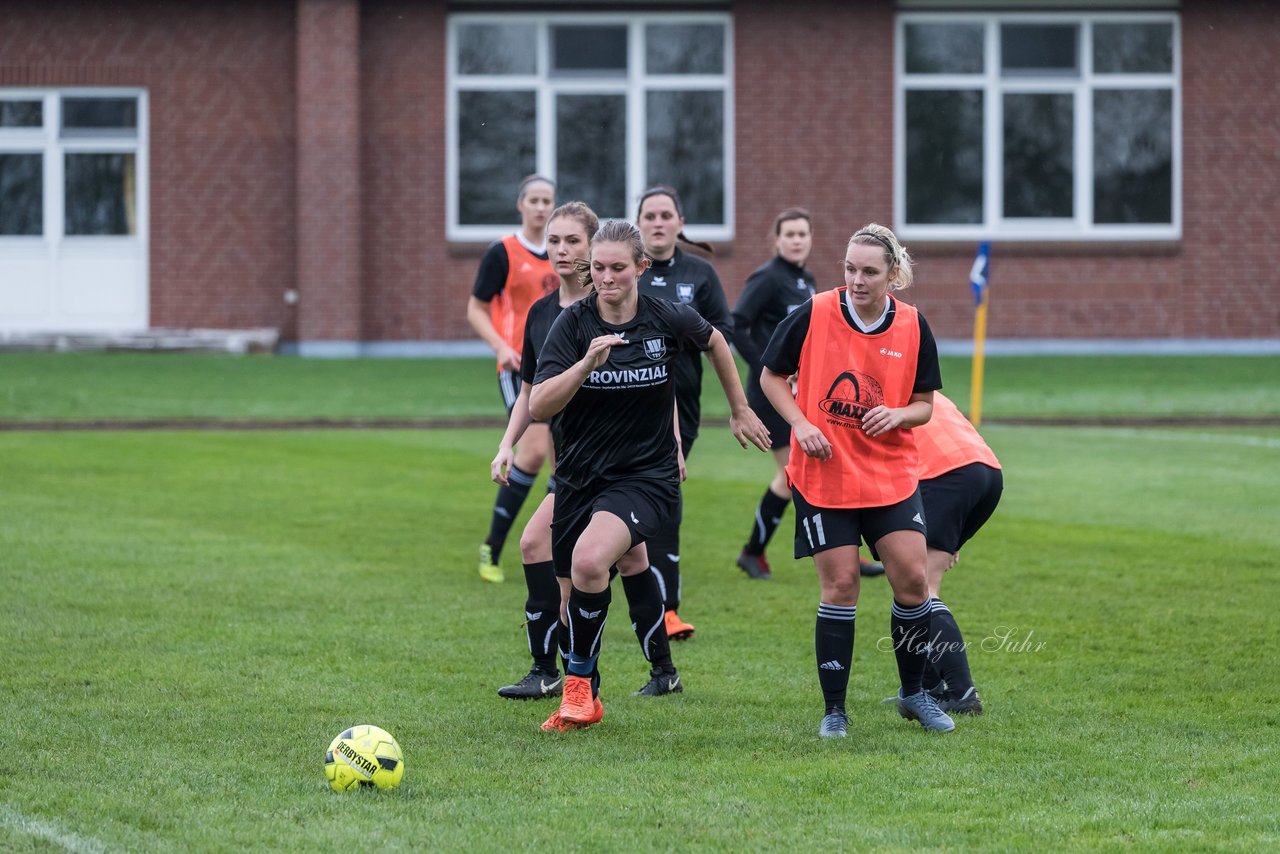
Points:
point(635, 84)
point(1079, 227)
point(48, 141)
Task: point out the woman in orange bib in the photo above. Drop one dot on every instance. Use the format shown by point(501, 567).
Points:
point(866, 369)
point(514, 274)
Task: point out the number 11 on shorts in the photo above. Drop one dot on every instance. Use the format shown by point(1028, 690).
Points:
point(815, 529)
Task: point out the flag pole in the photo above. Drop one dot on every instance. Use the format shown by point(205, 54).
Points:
point(975, 388)
point(978, 282)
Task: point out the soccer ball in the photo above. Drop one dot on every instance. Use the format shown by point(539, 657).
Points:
point(363, 757)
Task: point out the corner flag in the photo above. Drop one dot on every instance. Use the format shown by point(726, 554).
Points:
point(978, 274)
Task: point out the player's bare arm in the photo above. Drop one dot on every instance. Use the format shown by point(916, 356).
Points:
point(744, 423)
point(552, 395)
point(478, 317)
point(882, 419)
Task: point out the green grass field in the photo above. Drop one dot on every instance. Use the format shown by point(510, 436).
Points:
point(190, 616)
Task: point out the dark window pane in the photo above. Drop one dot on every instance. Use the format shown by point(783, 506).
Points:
point(21, 114)
point(684, 48)
point(21, 194)
point(100, 194)
point(685, 148)
point(591, 151)
point(944, 156)
point(1133, 48)
point(99, 114)
point(944, 48)
point(497, 49)
point(594, 49)
point(1038, 145)
point(1038, 48)
point(1133, 156)
point(496, 148)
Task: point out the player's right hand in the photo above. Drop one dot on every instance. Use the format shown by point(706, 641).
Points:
point(811, 440)
point(501, 466)
point(599, 349)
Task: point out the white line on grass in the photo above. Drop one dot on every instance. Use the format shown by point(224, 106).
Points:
point(11, 818)
point(1174, 435)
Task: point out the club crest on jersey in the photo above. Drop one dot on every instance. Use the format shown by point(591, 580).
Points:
point(850, 397)
point(655, 348)
point(684, 292)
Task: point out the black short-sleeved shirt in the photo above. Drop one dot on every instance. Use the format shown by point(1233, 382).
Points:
point(491, 278)
point(782, 356)
point(689, 280)
point(618, 424)
point(772, 292)
point(542, 315)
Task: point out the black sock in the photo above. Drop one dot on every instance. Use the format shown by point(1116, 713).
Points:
point(506, 507)
point(909, 628)
point(562, 639)
point(833, 641)
point(645, 602)
point(768, 515)
point(542, 613)
point(952, 662)
point(664, 557)
point(587, 613)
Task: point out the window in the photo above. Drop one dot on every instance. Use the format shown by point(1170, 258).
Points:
point(1038, 127)
point(605, 105)
point(68, 163)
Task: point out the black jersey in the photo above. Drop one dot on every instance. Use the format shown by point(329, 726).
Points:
point(772, 292)
point(618, 424)
point(542, 314)
point(782, 356)
point(689, 280)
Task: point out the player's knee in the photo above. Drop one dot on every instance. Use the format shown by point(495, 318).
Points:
point(535, 546)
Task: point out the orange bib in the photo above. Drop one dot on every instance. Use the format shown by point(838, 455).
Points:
point(948, 441)
point(844, 373)
point(529, 278)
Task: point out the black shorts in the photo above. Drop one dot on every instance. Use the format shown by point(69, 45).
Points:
point(958, 503)
point(509, 387)
point(779, 429)
point(822, 528)
point(643, 505)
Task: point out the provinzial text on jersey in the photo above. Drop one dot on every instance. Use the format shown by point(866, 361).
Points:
point(629, 376)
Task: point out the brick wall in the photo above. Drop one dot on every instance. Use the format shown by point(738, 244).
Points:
point(220, 78)
point(813, 101)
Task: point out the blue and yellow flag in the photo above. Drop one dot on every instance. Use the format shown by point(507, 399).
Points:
point(978, 274)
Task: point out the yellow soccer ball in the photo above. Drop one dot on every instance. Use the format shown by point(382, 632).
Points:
point(363, 757)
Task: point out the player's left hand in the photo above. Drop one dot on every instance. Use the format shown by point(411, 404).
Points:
point(881, 420)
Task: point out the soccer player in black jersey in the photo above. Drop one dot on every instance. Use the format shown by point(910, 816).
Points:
point(772, 292)
point(687, 279)
point(605, 380)
point(513, 274)
point(569, 232)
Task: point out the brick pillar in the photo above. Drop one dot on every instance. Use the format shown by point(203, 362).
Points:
point(328, 177)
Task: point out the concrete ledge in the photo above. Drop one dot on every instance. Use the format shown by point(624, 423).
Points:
point(236, 341)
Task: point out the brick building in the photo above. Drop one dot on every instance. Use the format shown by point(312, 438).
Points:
point(334, 168)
